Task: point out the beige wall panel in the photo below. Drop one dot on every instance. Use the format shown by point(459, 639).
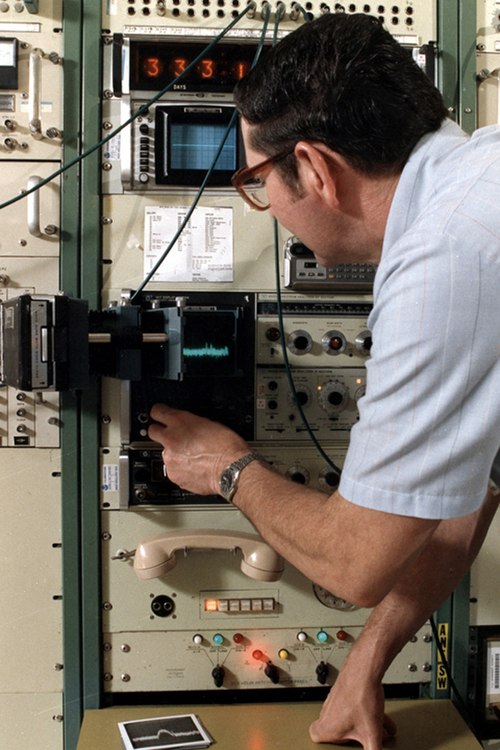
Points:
point(30, 626)
point(32, 720)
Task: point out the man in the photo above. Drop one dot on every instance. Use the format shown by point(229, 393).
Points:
point(350, 143)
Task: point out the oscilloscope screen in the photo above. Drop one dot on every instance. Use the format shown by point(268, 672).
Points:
point(210, 344)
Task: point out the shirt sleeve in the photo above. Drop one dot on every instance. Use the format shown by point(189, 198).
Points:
point(429, 422)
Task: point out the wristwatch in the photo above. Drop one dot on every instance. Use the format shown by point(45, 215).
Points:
point(228, 482)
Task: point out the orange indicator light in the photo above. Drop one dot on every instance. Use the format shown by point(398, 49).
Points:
point(211, 605)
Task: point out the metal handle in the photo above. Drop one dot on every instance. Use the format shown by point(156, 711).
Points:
point(33, 204)
point(35, 123)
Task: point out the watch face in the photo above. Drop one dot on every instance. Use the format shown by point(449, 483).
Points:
point(227, 483)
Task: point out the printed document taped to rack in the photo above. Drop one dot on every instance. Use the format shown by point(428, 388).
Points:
point(204, 250)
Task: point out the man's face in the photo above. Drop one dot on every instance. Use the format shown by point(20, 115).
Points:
point(333, 235)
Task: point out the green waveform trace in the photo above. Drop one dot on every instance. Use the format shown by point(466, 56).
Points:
point(207, 351)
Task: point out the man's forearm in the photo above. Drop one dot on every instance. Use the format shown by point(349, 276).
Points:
point(322, 536)
point(419, 592)
point(354, 706)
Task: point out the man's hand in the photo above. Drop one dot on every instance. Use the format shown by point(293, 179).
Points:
point(354, 710)
point(195, 450)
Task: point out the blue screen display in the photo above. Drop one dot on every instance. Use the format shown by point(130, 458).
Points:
point(194, 146)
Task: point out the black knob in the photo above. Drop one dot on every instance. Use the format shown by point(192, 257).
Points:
point(218, 676)
point(301, 342)
point(331, 478)
point(335, 398)
point(302, 397)
point(322, 672)
point(272, 672)
point(273, 334)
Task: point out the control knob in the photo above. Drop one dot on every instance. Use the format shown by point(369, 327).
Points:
point(302, 396)
point(300, 342)
point(363, 342)
point(298, 474)
point(322, 672)
point(218, 674)
point(333, 397)
point(329, 478)
point(333, 342)
point(272, 672)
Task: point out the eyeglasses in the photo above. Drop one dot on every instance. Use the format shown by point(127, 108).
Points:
point(250, 182)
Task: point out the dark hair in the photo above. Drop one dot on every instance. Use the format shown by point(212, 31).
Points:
point(346, 82)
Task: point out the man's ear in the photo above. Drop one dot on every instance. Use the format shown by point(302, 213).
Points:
point(320, 170)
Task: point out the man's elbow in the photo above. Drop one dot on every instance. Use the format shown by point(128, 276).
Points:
point(365, 591)
point(363, 597)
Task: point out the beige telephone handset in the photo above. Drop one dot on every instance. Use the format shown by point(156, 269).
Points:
point(155, 557)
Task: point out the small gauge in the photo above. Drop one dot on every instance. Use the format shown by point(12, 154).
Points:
point(331, 600)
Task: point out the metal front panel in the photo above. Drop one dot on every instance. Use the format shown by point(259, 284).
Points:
point(414, 19)
point(296, 633)
point(31, 114)
point(124, 253)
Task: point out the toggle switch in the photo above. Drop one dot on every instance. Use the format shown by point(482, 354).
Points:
point(272, 672)
point(218, 676)
point(322, 672)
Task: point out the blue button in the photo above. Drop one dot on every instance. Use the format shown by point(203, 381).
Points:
point(322, 636)
point(218, 639)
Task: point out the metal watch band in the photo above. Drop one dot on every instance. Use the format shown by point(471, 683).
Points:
point(229, 478)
